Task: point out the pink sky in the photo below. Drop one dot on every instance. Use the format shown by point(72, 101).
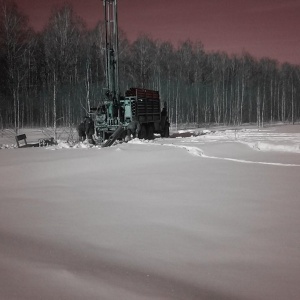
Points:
point(260, 27)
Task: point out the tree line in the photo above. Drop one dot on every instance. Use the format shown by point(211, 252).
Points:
point(52, 78)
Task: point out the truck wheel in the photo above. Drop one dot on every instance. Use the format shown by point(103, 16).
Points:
point(143, 132)
point(124, 134)
point(150, 132)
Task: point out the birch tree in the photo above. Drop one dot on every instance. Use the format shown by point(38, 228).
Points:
point(15, 41)
point(62, 40)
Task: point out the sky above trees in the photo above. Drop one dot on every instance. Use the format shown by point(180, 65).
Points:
point(260, 27)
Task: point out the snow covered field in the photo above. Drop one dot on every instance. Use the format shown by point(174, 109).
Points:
point(214, 216)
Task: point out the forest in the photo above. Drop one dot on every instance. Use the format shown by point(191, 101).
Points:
point(51, 78)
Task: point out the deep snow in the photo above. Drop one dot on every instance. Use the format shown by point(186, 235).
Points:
point(213, 216)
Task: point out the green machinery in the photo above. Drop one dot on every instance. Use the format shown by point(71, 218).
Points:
point(116, 111)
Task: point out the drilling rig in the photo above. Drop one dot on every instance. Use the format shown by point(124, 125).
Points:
point(115, 113)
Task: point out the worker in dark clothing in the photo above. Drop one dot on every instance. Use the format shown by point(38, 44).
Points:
point(164, 112)
point(164, 123)
point(163, 118)
point(133, 128)
point(89, 129)
point(81, 131)
point(86, 130)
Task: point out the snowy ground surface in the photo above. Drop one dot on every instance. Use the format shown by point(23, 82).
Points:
point(213, 216)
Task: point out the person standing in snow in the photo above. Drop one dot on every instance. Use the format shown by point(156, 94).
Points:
point(133, 128)
point(81, 131)
point(89, 129)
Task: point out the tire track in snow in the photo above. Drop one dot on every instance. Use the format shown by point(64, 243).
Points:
point(198, 152)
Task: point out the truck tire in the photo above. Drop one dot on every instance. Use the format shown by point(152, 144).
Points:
point(143, 132)
point(150, 134)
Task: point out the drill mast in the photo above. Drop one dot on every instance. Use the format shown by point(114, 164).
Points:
point(116, 112)
point(111, 49)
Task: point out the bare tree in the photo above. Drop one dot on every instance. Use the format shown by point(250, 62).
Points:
point(15, 41)
point(62, 39)
point(143, 59)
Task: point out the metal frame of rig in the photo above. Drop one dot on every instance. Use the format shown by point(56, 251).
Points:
point(115, 113)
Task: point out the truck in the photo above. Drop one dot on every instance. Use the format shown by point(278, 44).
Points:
point(140, 104)
point(116, 111)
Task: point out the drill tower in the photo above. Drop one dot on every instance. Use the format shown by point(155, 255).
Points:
point(111, 50)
